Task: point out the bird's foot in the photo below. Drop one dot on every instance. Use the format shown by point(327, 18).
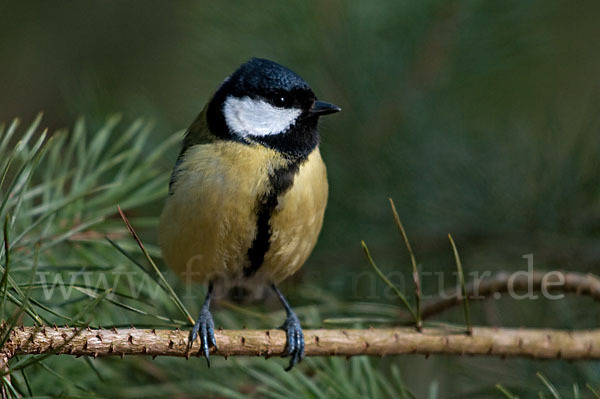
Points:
point(205, 327)
point(295, 340)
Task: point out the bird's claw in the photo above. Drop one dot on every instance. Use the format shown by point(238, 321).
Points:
point(205, 327)
point(294, 340)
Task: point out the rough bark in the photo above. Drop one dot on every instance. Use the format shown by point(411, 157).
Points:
point(503, 342)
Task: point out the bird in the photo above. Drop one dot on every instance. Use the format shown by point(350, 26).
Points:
point(248, 191)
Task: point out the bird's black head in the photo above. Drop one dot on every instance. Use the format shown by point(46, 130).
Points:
point(267, 103)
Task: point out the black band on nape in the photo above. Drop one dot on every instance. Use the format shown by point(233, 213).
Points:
point(280, 180)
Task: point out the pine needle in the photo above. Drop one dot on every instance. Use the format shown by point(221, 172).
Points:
point(415, 271)
point(25, 302)
point(387, 281)
point(593, 391)
point(549, 385)
point(506, 392)
point(461, 277)
point(4, 281)
point(165, 284)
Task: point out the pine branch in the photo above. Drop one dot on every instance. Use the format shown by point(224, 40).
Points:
point(578, 283)
point(503, 342)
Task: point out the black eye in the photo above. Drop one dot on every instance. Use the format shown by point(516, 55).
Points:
point(280, 100)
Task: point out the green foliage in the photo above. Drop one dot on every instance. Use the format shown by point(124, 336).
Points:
point(59, 195)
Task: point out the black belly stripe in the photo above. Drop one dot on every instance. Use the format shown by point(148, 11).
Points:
point(280, 181)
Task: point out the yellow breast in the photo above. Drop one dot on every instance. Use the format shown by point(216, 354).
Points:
point(296, 221)
point(209, 222)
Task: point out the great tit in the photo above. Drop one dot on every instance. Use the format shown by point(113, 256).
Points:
point(248, 191)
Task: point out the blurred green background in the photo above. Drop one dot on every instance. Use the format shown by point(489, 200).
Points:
point(479, 118)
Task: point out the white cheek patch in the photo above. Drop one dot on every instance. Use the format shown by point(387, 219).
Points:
point(247, 116)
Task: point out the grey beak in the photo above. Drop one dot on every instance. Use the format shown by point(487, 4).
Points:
point(323, 108)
